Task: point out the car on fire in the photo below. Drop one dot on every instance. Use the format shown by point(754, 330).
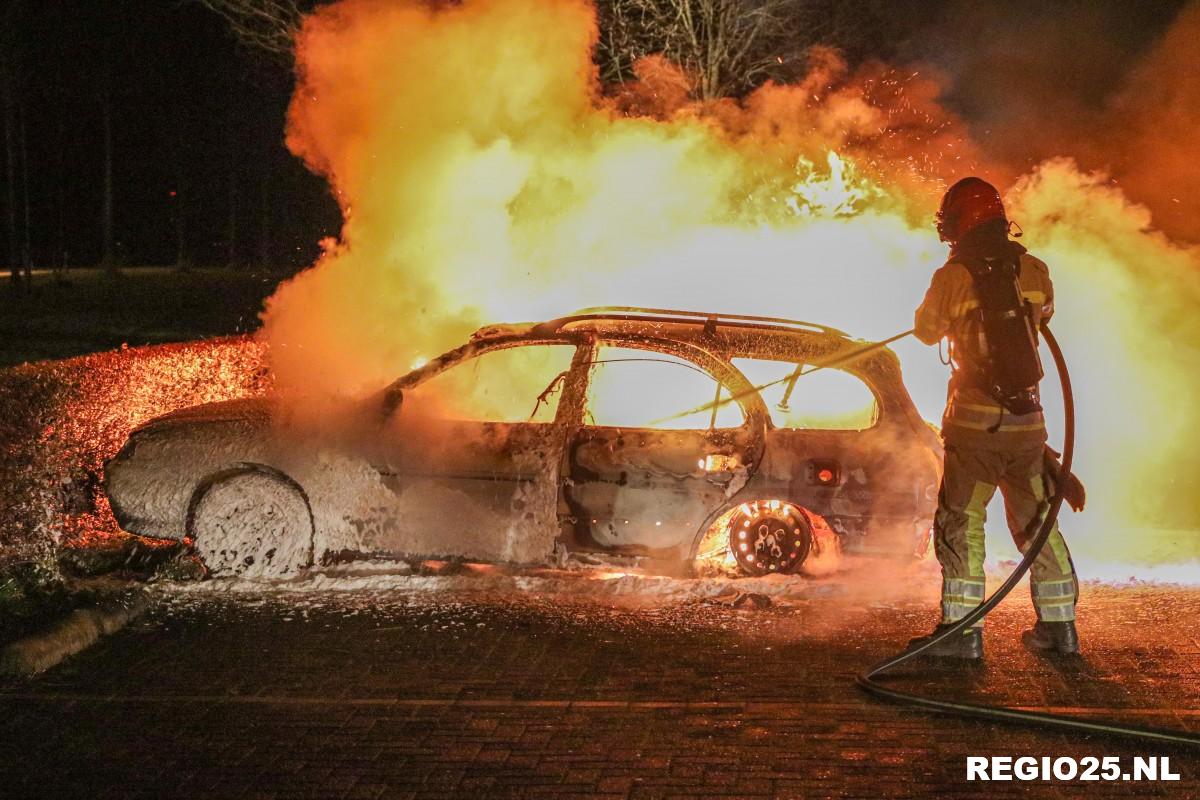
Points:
point(673, 437)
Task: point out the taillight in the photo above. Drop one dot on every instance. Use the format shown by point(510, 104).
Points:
point(824, 472)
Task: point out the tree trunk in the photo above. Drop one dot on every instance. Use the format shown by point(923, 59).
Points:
point(231, 232)
point(60, 233)
point(10, 182)
point(26, 243)
point(264, 221)
point(182, 262)
point(109, 260)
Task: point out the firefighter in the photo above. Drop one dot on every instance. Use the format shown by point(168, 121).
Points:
point(993, 428)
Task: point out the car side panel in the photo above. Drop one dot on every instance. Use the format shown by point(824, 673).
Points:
point(650, 490)
point(472, 489)
point(886, 489)
point(150, 482)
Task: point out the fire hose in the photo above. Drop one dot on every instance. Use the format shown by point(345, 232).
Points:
point(866, 679)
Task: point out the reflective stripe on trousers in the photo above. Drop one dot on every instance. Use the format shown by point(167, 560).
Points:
point(980, 417)
point(960, 596)
point(1054, 600)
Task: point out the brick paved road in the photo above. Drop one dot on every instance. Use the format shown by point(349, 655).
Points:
point(482, 694)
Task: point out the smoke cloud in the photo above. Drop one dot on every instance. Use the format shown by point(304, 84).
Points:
point(1116, 90)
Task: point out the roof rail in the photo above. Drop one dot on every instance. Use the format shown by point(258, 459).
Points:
point(673, 315)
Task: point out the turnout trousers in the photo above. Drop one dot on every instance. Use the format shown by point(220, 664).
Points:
point(970, 479)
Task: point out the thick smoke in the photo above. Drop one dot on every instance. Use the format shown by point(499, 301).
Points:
point(1113, 87)
point(1154, 119)
point(485, 176)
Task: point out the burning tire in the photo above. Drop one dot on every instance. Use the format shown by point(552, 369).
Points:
point(251, 521)
point(769, 536)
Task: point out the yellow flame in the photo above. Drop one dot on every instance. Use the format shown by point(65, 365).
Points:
point(840, 192)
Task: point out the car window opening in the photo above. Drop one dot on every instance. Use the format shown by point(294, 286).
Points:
point(496, 386)
point(825, 399)
point(638, 391)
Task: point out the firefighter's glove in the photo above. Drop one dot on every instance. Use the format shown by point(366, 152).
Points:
point(1073, 492)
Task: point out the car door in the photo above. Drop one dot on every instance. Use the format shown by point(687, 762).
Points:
point(644, 473)
point(472, 456)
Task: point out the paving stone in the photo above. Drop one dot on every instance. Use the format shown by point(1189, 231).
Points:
point(553, 697)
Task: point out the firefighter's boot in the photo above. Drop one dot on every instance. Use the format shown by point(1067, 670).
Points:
point(1053, 637)
point(967, 645)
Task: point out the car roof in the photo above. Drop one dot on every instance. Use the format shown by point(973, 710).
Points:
point(654, 321)
point(727, 336)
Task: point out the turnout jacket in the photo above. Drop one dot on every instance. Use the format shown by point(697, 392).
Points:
point(972, 413)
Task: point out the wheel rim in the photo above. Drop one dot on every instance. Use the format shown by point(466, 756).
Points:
point(769, 536)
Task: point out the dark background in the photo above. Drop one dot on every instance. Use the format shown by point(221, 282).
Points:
point(197, 127)
point(201, 174)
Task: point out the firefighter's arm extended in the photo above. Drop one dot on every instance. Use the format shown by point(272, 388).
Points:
point(947, 295)
point(1040, 290)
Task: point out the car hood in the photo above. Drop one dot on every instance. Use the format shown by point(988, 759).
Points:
point(256, 409)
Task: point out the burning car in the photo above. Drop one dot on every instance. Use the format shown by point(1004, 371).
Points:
point(671, 436)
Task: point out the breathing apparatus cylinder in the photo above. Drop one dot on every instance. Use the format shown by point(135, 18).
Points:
point(1000, 354)
point(1007, 365)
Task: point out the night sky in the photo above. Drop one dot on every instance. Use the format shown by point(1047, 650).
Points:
point(201, 172)
point(197, 128)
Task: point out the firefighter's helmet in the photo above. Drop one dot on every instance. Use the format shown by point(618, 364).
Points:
point(966, 205)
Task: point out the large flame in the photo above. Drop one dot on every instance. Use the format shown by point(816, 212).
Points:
point(485, 176)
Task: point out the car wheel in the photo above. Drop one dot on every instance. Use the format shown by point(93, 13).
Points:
point(251, 521)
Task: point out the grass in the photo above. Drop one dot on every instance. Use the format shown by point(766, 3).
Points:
point(89, 311)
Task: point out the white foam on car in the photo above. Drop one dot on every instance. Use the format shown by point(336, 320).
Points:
point(253, 524)
point(394, 577)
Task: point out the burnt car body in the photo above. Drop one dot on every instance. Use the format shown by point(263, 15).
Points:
point(652, 431)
